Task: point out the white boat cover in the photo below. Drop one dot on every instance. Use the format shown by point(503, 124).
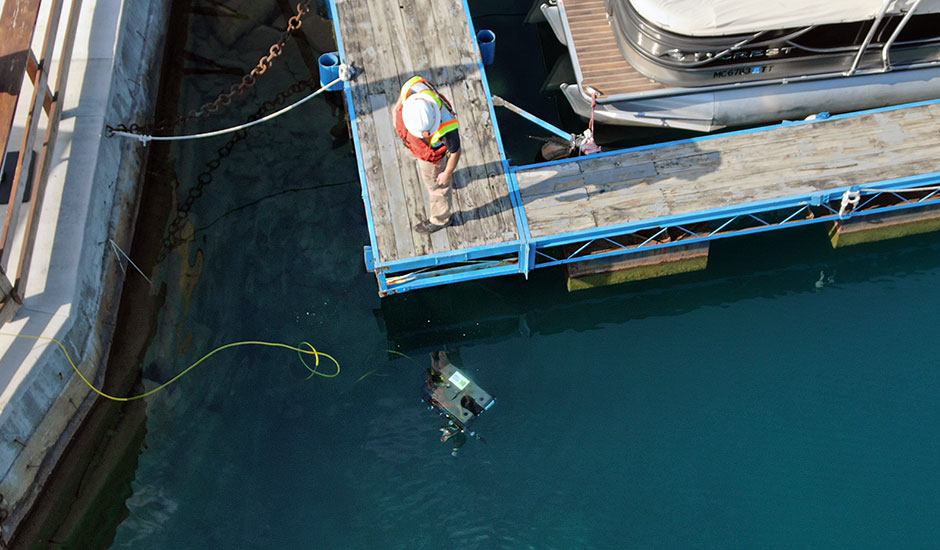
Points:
point(723, 17)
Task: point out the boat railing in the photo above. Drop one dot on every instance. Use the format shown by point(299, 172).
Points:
point(871, 34)
point(885, 55)
point(885, 50)
point(25, 73)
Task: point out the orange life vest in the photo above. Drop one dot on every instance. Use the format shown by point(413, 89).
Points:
point(433, 150)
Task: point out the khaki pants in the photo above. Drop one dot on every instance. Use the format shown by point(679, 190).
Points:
point(439, 197)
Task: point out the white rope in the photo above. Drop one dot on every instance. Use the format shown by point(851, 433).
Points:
point(144, 139)
point(849, 199)
point(911, 190)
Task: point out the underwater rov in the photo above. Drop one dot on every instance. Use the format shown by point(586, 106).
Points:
point(457, 398)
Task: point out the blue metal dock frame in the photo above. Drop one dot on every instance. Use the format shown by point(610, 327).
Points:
point(528, 253)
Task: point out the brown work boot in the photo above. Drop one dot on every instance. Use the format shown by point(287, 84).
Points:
point(426, 227)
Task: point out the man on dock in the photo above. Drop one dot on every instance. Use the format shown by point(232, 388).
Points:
point(427, 123)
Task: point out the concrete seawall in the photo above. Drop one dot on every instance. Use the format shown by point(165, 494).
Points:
point(92, 196)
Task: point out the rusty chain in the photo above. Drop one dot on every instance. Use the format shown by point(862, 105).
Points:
point(225, 98)
point(174, 236)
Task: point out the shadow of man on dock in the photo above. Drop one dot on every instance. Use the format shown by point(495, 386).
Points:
point(644, 183)
point(481, 191)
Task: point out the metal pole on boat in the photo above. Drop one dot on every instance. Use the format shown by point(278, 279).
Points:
point(886, 63)
point(871, 34)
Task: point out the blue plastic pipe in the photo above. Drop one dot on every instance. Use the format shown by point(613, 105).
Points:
point(329, 71)
point(487, 40)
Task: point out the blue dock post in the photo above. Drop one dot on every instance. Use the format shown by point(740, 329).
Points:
point(329, 71)
point(487, 40)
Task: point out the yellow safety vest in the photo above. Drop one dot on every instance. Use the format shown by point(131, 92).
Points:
point(448, 118)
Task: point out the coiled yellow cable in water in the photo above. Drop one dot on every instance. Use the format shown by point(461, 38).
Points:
point(300, 353)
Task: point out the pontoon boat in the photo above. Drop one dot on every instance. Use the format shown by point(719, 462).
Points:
point(708, 64)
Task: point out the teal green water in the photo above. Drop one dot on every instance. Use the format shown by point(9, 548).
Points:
point(785, 397)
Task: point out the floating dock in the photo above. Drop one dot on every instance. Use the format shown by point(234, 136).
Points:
point(389, 42)
point(513, 219)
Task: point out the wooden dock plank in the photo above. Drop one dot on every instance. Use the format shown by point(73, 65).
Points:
point(381, 217)
point(411, 40)
point(559, 198)
point(488, 180)
point(561, 224)
point(602, 65)
point(393, 12)
point(548, 180)
point(446, 71)
point(500, 206)
point(392, 41)
point(406, 198)
point(595, 182)
point(387, 143)
point(395, 197)
point(735, 169)
point(415, 40)
point(829, 150)
point(475, 192)
point(495, 182)
point(357, 17)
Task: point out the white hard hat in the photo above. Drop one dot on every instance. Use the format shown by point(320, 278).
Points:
point(420, 114)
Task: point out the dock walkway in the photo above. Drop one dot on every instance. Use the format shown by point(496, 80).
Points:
point(391, 41)
point(743, 168)
point(512, 220)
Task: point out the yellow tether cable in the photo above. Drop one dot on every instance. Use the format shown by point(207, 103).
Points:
point(361, 378)
point(300, 354)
